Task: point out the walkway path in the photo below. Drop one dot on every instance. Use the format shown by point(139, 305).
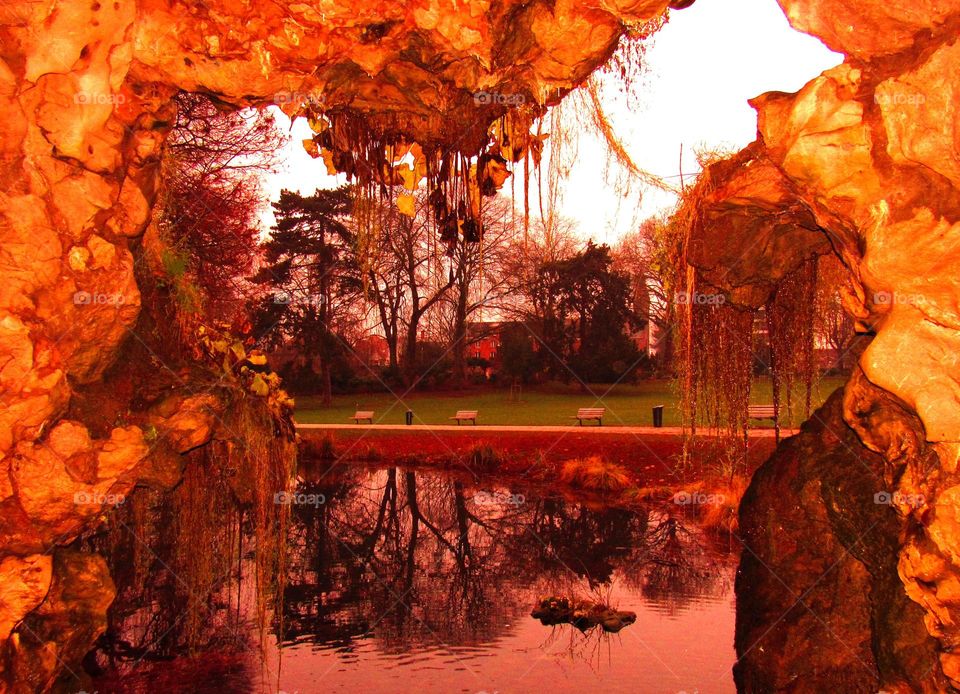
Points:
point(492, 428)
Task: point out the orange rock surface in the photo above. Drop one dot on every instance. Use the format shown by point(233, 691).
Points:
point(865, 157)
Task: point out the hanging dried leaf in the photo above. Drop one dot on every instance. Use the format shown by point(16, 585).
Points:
point(311, 148)
point(405, 204)
point(317, 124)
point(328, 160)
point(408, 176)
point(473, 192)
point(535, 143)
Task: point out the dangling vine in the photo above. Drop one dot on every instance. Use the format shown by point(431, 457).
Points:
point(790, 314)
point(719, 343)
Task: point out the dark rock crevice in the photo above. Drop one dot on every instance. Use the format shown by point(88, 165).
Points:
point(820, 604)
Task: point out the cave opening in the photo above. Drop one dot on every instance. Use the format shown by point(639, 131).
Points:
point(150, 447)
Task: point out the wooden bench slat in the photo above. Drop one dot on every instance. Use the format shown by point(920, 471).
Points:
point(590, 413)
point(761, 412)
point(765, 412)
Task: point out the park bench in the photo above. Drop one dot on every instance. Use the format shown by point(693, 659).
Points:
point(362, 414)
point(589, 413)
point(762, 412)
point(466, 416)
point(765, 412)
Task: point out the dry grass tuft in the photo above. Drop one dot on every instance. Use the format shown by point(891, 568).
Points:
point(721, 503)
point(595, 474)
point(482, 458)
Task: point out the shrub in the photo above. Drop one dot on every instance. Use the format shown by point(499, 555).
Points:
point(595, 474)
point(483, 457)
point(319, 448)
point(723, 513)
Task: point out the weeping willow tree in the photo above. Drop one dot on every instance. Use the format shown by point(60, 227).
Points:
point(583, 114)
point(184, 558)
point(717, 347)
point(721, 344)
point(791, 316)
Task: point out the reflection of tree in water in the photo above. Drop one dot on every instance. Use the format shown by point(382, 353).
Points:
point(408, 558)
point(175, 559)
point(413, 558)
point(673, 568)
point(593, 647)
point(588, 542)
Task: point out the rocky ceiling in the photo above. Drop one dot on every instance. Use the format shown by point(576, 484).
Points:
point(865, 160)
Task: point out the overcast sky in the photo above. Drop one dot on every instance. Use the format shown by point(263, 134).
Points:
point(701, 69)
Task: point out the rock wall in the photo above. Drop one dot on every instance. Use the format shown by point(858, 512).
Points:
point(820, 605)
point(865, 157)
point(85, 89)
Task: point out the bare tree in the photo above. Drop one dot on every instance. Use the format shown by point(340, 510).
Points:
point(833, 326)
point(408, 273)
point(213, 162)
point(481, 281)
point(383, 271)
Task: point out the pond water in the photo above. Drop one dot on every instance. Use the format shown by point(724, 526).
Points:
point(397, 580)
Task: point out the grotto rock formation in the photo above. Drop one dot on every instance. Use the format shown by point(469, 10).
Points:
point(85, 91)
point(820, 605)
point(865, 157)
point(865, 153)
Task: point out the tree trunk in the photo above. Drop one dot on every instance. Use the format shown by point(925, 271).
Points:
point(327, 376)
point(391, 337)
point(410, 354)
point(460, 342)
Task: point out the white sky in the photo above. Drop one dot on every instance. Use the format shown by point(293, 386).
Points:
point(703, 66)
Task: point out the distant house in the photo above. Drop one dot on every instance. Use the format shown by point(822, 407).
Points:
point(484, 341)
point(372, 350)
point(486, 348)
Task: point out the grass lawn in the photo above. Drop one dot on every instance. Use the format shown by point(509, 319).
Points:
point(553, 404)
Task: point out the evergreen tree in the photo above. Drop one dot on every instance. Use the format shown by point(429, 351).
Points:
point(311, 277)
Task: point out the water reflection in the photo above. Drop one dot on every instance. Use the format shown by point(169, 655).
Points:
point(392, 574)
point(433, 567)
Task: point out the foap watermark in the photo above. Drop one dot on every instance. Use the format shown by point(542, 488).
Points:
point(698, 498)
point(98, 298)
point(498, 499)
point(899, 499)
point(899, 98)
point(299, 499)
point(486, 98)
point(99, 98)
point(699, 298)
point(286, 298)
point(891, 298)
point(91, 497)
point(309, 98)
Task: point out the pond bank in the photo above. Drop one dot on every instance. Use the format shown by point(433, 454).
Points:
point(652, 458)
